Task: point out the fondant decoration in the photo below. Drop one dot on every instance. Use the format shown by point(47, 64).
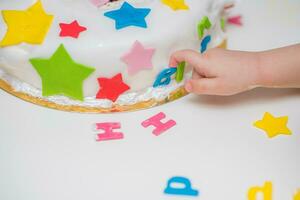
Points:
point(71, 30)
point(203, 25)
point(223, 24)
point(297, 195)
point(180, 72)
point(99, 3)
point(159, 126)
point(108, 131)
point(205, 43)
point(61, 75)
point(266, 191)
point(164, 77)
point(139, 58)
point(235, 20)
point(111, 88)
point(186, 190)
point(273, 126)
point(30, 26)
point(176, 4)
point(128, 15)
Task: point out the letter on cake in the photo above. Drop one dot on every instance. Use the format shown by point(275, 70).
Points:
point(164, 77)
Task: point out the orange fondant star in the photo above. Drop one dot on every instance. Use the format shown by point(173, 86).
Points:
point(30, 26)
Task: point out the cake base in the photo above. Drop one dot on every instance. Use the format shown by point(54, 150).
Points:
point(175, 94)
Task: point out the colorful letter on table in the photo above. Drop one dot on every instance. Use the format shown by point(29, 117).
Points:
point(297, 195)
point(159, 126)
point(109, 134)
point(266, 190)
point(187, 190)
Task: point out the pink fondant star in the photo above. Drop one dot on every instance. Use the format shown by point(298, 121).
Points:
point(99, 2)
point(138, 58)
point(71, 30)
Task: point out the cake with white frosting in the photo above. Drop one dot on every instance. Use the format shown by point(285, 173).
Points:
point(102, 54)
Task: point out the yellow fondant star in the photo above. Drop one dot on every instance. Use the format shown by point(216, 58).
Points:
point(30, 26)
point(273, 126)
point(176, 4)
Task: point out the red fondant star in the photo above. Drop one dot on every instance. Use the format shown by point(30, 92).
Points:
point(71, 30)
point(111, 88)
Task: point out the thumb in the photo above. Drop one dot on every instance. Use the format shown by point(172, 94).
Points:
point(202, 86)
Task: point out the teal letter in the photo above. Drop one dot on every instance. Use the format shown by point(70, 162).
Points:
point(186, 190)
point(164, 77)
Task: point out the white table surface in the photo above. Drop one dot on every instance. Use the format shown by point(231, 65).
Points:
point(52, 155)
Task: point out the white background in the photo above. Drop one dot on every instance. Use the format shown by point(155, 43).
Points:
point(52, 155)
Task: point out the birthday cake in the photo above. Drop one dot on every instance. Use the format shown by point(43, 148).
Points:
point(103, 55)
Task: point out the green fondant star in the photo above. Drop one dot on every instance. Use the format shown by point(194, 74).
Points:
point(61, 75)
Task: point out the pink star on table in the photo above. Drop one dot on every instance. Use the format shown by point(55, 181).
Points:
point(71, 30)
point(139, 58)
point(111, 88)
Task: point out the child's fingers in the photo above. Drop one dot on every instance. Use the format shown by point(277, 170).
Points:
point(189, 56)
point(196, 75)
point(202, 86)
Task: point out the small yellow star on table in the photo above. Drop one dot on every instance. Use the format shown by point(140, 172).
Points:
point(273, 126)
point(176, 4)
point(30, 26)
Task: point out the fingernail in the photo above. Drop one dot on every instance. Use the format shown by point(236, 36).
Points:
point(188, 86)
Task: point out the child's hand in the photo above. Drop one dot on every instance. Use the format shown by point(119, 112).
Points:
point(219, 71)
point(224, 72)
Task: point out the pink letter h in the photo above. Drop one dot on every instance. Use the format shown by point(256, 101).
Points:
point(159, 126)
point(108, 131)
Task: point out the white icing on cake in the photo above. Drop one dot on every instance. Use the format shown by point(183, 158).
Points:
point(102, 46)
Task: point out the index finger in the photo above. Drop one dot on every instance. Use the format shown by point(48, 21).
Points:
point(190, 56)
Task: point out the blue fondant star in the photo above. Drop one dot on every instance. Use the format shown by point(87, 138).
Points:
point(128, 15)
